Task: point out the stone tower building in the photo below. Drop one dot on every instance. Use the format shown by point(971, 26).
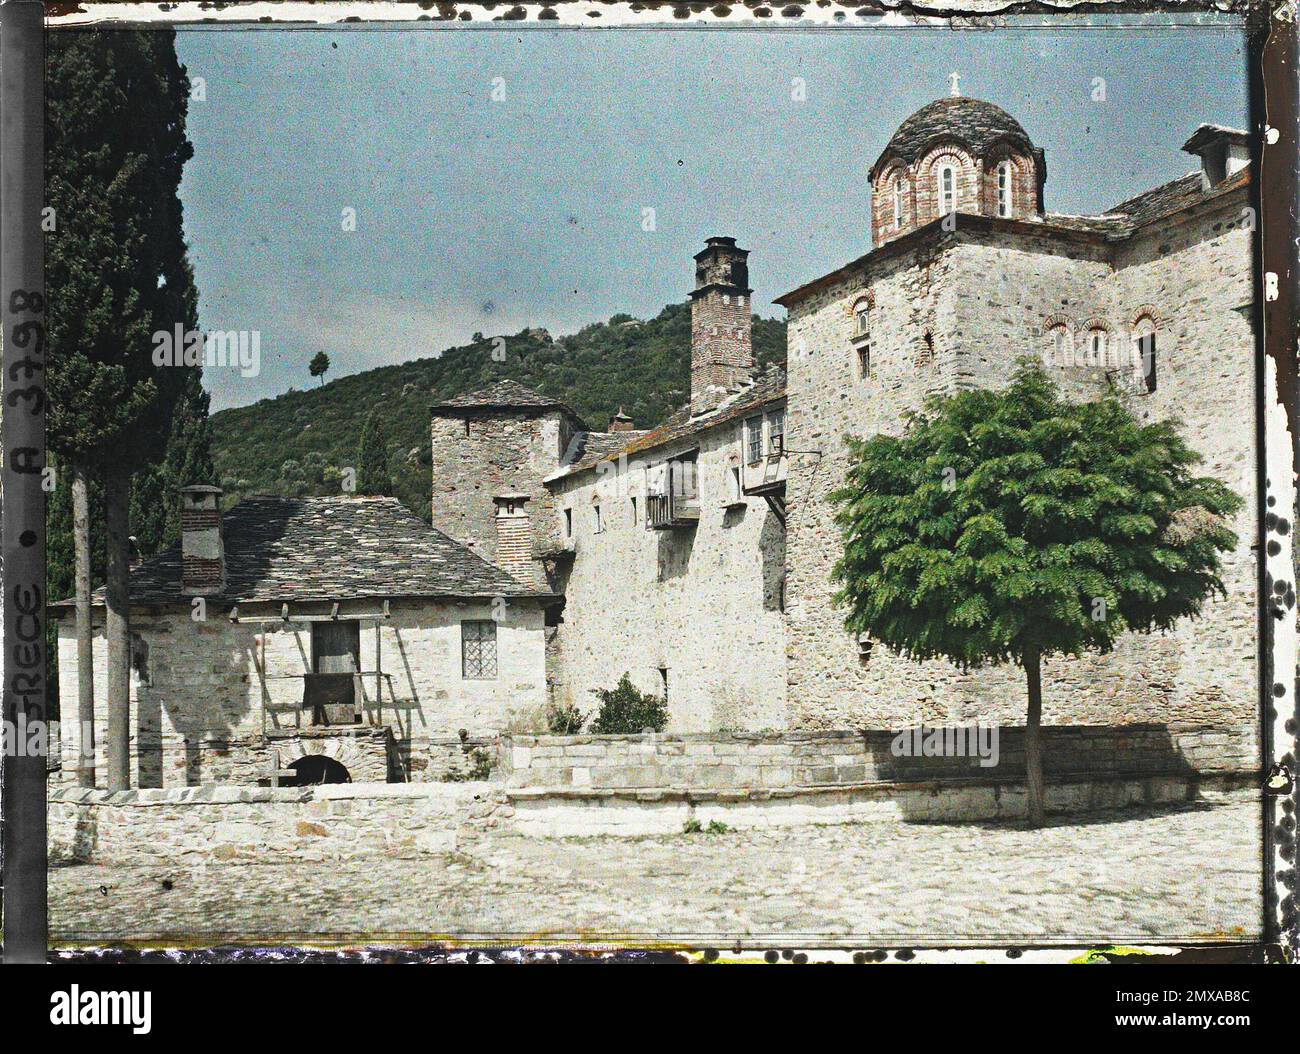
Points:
point(491, 450)
point(722, 349)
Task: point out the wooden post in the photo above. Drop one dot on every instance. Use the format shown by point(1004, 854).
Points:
point(379, 675)
point(22, 333)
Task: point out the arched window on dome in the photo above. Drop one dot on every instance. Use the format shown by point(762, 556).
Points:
point(898, 202)
point(1005, 190)
point(947, 188)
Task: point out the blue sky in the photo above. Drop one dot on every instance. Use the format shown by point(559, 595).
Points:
point(482, 215)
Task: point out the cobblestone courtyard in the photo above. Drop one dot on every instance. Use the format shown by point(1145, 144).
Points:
point(1182, 874)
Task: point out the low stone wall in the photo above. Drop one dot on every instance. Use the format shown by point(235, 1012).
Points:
point(191, 827)
point(368, 753)
point(631, 813)
point(434, 759)
point(332, 822)
point(772, 761)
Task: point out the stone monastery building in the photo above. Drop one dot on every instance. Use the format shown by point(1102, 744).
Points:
point(696, 556)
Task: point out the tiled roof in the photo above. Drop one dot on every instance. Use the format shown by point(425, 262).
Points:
point(1164, 199)
point(768, 387)
point(590, 448)
point(1207, 134)
point(503, 395)
point(1153, 204)
point(972, 122)
point(294, 549)
point(1109, 224)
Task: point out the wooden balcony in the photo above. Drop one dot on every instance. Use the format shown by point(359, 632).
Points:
point(665, 511)
point(765, 476)
point(673, 494)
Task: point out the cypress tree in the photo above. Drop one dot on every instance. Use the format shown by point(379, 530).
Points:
point(117, 275)
point(373, 477)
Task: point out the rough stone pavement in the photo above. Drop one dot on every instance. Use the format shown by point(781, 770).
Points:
point(1182, 874)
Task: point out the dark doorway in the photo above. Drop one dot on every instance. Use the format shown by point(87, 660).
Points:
point(314, 769)
point(329, 691)
point(335, 647)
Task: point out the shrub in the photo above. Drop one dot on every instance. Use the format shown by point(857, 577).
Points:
point(693, 826)
point(564, 720)
point(625, 710)
point(480, 764)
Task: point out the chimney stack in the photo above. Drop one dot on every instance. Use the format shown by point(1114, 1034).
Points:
point(722, 345)
point(1223, 151)
point(620, 422)
point(203, 555)
point(514, 537)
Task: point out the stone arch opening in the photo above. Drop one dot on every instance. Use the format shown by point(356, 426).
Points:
point(315, 769)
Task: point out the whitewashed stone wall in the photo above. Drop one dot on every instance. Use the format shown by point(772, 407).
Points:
point(704, 602)
point(325, 824)
point(985, 298)
point(196, 826)
point(199, 716)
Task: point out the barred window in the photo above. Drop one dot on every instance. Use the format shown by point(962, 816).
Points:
point(478, 649)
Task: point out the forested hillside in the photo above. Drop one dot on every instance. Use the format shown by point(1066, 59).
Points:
point(299, 443)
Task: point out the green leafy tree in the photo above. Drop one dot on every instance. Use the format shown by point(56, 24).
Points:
point(1013, 526)
point(373, 477)
point(320, 364)
point(625, 710)
point(117, 274)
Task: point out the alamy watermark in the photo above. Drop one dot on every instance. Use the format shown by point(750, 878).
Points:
point(948, 741)
point(219, 349)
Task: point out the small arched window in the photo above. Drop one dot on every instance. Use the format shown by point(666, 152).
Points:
point(1004, 189)
point(898, 203)
point(947, 188)
point(925, 353)
point(862, 317)
point(1144, 354)
point(1061, 351)
point(1097, 347)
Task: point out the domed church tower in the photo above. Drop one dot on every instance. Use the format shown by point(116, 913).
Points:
point(955, 155)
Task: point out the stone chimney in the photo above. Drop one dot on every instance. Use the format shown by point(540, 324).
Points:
point(203, 554)
point(722, 345)
point(620, 422)
point(515, 537)
point(1223, 152)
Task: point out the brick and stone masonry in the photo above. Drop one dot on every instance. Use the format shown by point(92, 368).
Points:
point(722, 347)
